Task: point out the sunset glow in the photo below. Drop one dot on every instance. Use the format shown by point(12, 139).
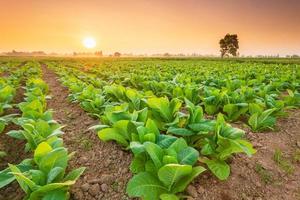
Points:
point(89, 42)
point(142, 26)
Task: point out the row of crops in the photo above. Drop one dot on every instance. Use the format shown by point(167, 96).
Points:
point(43, 176)
point(174, 115)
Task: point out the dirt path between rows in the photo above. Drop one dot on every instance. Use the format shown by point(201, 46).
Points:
point(107, 165)
point(260, 177)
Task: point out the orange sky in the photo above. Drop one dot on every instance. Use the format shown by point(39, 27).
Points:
point(150, 26)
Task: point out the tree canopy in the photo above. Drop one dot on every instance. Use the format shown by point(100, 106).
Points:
point(229, 45)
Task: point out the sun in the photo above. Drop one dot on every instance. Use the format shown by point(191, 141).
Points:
point(89, 42)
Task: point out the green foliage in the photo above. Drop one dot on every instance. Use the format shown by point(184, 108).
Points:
point(42, 177)
point(169, 169)
point(235, 111)
point(216, 141)
point(7, 93)
point(144, 105)
point(4, 120)
point(212, 100)
point(293, 99)
point(35, 132)
point(48, 178)
point(164, 112)
point(261, 120)
point(171, 179)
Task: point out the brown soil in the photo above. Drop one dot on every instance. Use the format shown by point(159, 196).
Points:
point(260, 177)
point(4, 74)
point(106, 164)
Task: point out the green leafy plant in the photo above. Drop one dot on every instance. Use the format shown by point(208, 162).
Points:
point(216, 148)
point(216, 141)
point(190, 92)
point(164, 112)
point(4, 120)
point(113, 114)
point(261, 120)
point(6, 177)
point(162, 172)
point(235, 111)
point(7, 93)
point(293, 99)
point(48, 179)
point(213, 100)
point(34, 110)
point(125, 131)
point(35, 132)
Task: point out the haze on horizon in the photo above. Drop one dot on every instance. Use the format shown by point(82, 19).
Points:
point(150, 26)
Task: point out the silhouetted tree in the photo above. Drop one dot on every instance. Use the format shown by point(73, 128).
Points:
point(229, 45)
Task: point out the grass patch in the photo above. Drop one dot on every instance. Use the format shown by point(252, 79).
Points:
point(115, 186)
point(264, 174)
point(282, 162)
point(296, 157)
point(2, 154)
point(84, 143)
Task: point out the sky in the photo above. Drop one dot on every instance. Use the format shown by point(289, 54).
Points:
point(265, 27)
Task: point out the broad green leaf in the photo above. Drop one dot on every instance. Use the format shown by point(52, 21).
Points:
point(2, 126)
point(180, 131)
point(55, 173)
point(172, 173)
point(188, 156)
point(155, 152)
point(41, 150)
point(146, 186)
point(25, 183)
point(184, 182)
point(56, 158)
point(46, 189)
point(169, 197)
point(178, 145)
point(203, 126)
point(138, 164)
point(151, 126)
point(219, 168)
point(112, 134)
point(56, 195)
point(18, 134)
point(253, 121)
point(6, 177)
point(137, 147)
point(75, 174)
point(38, 177)
point(165, 141)
point(169, 160)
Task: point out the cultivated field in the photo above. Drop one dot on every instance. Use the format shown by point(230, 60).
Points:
point(149, 128)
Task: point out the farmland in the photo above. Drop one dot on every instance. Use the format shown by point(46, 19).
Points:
point(149, 128)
